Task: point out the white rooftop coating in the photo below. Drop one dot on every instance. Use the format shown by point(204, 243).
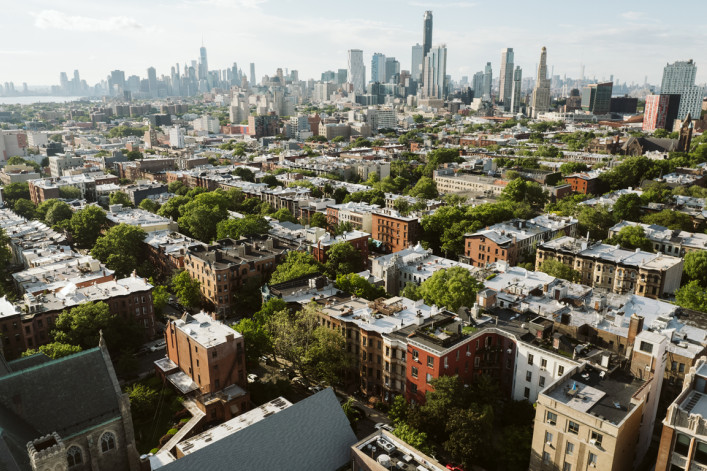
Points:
point(663, 235)
point(7, 308)
point(326, 239)
point(206, 331)
point(358, 311)
point(232, 426)
point(419, 261)
point(137, 217)
point(580, 398)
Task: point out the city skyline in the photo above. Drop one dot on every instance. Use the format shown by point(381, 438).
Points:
point(283, 34)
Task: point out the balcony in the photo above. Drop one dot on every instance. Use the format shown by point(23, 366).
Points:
point(678, 460)
point(697, 467)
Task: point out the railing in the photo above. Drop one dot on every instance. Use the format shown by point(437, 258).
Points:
point(697, 467)
point(678, 460)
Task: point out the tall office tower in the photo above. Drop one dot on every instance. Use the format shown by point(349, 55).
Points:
point(356, 71)
point(506, 79)
point(203, 64)
point(597, 97)
point(540, 101)
point(426, 33)
point(515, 90)
point(679, 78)
point(64, 82)
point(435, 73)
point(152, 80)
point(392, 69)
point(416, 64)
point(294, 76)
point(477, 84)
point(341, 76)
point(116, 81)
point(252, 74)
point(488, 81)
point(235, 76)
point(378, 68)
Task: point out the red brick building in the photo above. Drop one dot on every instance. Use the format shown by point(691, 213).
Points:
point(206, 359)
point(356, 238)
point(583, 183)
point(395, 231)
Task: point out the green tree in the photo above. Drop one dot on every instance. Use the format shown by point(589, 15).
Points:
point(692, 296)
point(674, 220)
point(343, 258)
point(171, 208)
point(573, 167)
point(359, 286)
point(271, 181)
point(632, 237)
point(5, 252)
point(121, 248)
point(178, 188)
point(247, 226)
point(143, 399)
point(399, 409)
point(186, 289)
point(596, 220)
point(160, 297)
point(411, 291)
point(15, 191)
point(348, 406)
point(53, 350)
point(256, 337)
point(247, 297)
point(295, 265)
point(559, 270)
point(17, 160)
point(424, 188)
point(627, 207)
point(119, 197)
point(200, 216)
point(81, 326)
point(413, 437)
point(134, 155)
point(696, 266)
point(268, 309)
point(24, 208)
point(520, 190)
point(86, 225)
point(470, 425)
point(318, 220)
point(327, 359)
point(284, 214)
point(54, 211)
point(69, 192)
point(245, 174)
point(450, 288)
point(149, 205)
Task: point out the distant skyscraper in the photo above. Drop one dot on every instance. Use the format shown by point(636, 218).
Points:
point(488, 81)
point(203, 64)
point(597, 97)
point(679, 78)
point(152, 80)
point(541, 93)
point(356, 71)
point(392, 69)
point(252, 74)
point(416, 65)
point(116, 81)
point(515, 91)
point(378, 68)
point(426, 33)
point(435, 73)
point(505, 87)
point(477, 84)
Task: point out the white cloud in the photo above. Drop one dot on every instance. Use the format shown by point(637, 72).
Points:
point(633, 15)
point(52, 19)
point(443, 5)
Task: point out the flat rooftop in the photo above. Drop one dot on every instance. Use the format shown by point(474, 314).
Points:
point(214, 434)
point(204, 330)
point(607, 397)
point(392, 453)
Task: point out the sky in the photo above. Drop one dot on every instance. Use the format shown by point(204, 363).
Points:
point(626, 38)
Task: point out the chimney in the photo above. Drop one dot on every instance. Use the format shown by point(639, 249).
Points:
point(635, 326)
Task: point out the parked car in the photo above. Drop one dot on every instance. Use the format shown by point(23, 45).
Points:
point(316, 388)
point(161, 345)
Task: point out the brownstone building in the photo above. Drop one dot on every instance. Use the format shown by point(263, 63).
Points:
point(206, 359)
point(395, 231)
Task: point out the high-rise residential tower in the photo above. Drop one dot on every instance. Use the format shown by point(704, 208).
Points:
point(488, 81)
point(426, 33)
point(435, 73)
point(679, 78)
point(252, 74)
point(152, 81)
point(357, 71)
point(392, 69)
point(416, 65)
point(478, 84)
point(506, 79)
point(515, 91)
point(540, 101)
point(378, 68)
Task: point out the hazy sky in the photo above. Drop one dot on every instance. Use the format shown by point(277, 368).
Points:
point(629, 39)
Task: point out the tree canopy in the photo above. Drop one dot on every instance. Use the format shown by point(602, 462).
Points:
point(450, 288)
point(247, 226)
point(121, 248)
point(295, 265)
point(186, 289)
point(86, 225)
point(632, 237)
point(696, 266)
point(559, 270)
point(343, 258)
point(359, 286)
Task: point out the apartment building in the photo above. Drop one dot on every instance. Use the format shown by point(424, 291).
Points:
point(27, 236)
point(147, 221)
point(320, 247)
point(586, 182)
point(207, 358)
point(599, 415)
point(359, 215)
point(151, 169)
point(49, 188)
point(225, 267)
point(668, 241)
point(60, 162)
point(683, 441)
point(411, 265)
point(450, 182)
point(395, 231)
point(613, 268)
point(167, 249)
point(511, 240)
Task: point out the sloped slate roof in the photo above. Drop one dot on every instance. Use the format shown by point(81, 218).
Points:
point(311, 434)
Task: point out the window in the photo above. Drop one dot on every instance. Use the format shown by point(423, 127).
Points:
point(541, 381)
point(414, 372)
point(646, 347)
point(477, 359)
point(546, 457)
point(548, 437)
point(560, 370)
point(700, 453)
point(413, 388)
point(596, 438)
point(73, 456)
point(569, 449)
point(429, 378)
point(681, 368)
point(430, 362)
point(551, 418)
point(543, 363)
point(528, 376)
point(682, 445)
point(526, 393)
point(415, 356)
point(107, 442)
point(573, 427)
point(592, 459)
point(567, 467)
point(530, 359)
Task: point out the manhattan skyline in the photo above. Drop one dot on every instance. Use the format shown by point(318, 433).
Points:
point(633, 41)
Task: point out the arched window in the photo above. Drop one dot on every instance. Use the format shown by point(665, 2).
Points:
point(107, 442)
point(73, 456)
